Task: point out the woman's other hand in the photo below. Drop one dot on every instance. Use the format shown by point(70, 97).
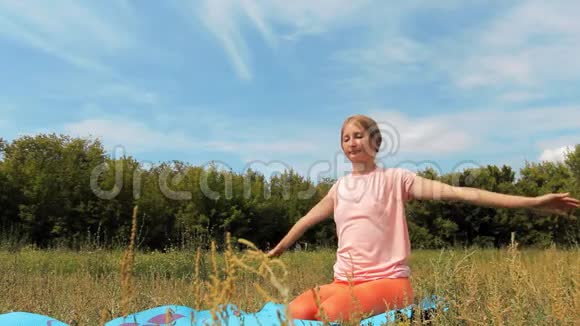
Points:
point(556, 203)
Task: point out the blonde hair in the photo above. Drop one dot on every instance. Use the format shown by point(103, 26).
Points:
point(369, 125)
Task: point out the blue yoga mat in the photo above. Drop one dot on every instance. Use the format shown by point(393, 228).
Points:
point(271, 314)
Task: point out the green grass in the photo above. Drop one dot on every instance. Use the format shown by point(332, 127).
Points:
point(530, 287)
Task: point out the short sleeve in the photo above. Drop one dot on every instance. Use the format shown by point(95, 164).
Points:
point(332, 191)
point(406, 183)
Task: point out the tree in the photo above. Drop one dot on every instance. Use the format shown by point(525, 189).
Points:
point(52, 174)
point(540, 228)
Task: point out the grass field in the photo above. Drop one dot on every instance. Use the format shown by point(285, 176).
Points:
point(487, 287)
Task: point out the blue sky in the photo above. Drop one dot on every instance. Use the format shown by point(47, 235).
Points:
point(267, 84)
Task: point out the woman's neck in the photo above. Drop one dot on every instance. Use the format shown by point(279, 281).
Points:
point(363, 168)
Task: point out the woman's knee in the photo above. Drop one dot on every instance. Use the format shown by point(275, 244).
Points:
point(338, 308)
point(302, 309)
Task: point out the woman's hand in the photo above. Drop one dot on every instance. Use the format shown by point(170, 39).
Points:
point(556, 203)
point(277, 251)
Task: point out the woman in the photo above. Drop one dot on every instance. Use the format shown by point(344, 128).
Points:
point(371, 271)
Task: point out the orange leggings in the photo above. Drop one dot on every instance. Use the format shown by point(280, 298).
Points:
point(340, 301)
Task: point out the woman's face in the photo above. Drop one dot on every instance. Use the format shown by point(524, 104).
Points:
point(356, 144)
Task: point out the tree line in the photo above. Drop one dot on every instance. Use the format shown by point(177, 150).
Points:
point(57, 190)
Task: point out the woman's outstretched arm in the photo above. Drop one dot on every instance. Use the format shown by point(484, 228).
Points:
point(425, 189)
point(318, 213)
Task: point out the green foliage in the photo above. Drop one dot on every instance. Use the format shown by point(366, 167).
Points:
point(56, 190)
point(439, 224)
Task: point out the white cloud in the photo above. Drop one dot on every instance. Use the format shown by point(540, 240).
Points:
point(494, 69)
point(436, 136)
point(534, 43)
point(67, 29)
point(474, 130)
point(489, 132)
point(389, 60)
point(225, 20)
point(555, 149)
point(311, 17)
point(136, 136)
point(523, 48)
point(220, 18)
point(555, 154)
point(256, 15)
point(133, 135)
point(85, 34)
point(534, 22)
point(429, 135)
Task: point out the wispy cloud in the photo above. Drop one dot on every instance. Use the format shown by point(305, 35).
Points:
point(534, 43)
point(493, 70)
point(220, 18)
point(424, 135)
point(226, 19)
point(89, 36)
point(256, 141)
point(139, 137)
point(491, 64)
point(70, 30)
point(475, 130)
point(304, 17)
point(134, 136)
point(256, 14)
point(515, 55)
point(434, 136)
point(389, 60)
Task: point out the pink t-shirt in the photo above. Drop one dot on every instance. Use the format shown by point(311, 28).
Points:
point(369, 212)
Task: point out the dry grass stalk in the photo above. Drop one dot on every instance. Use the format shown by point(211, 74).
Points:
point(127, 263)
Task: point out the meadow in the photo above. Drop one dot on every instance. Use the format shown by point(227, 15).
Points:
point(482, 286)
